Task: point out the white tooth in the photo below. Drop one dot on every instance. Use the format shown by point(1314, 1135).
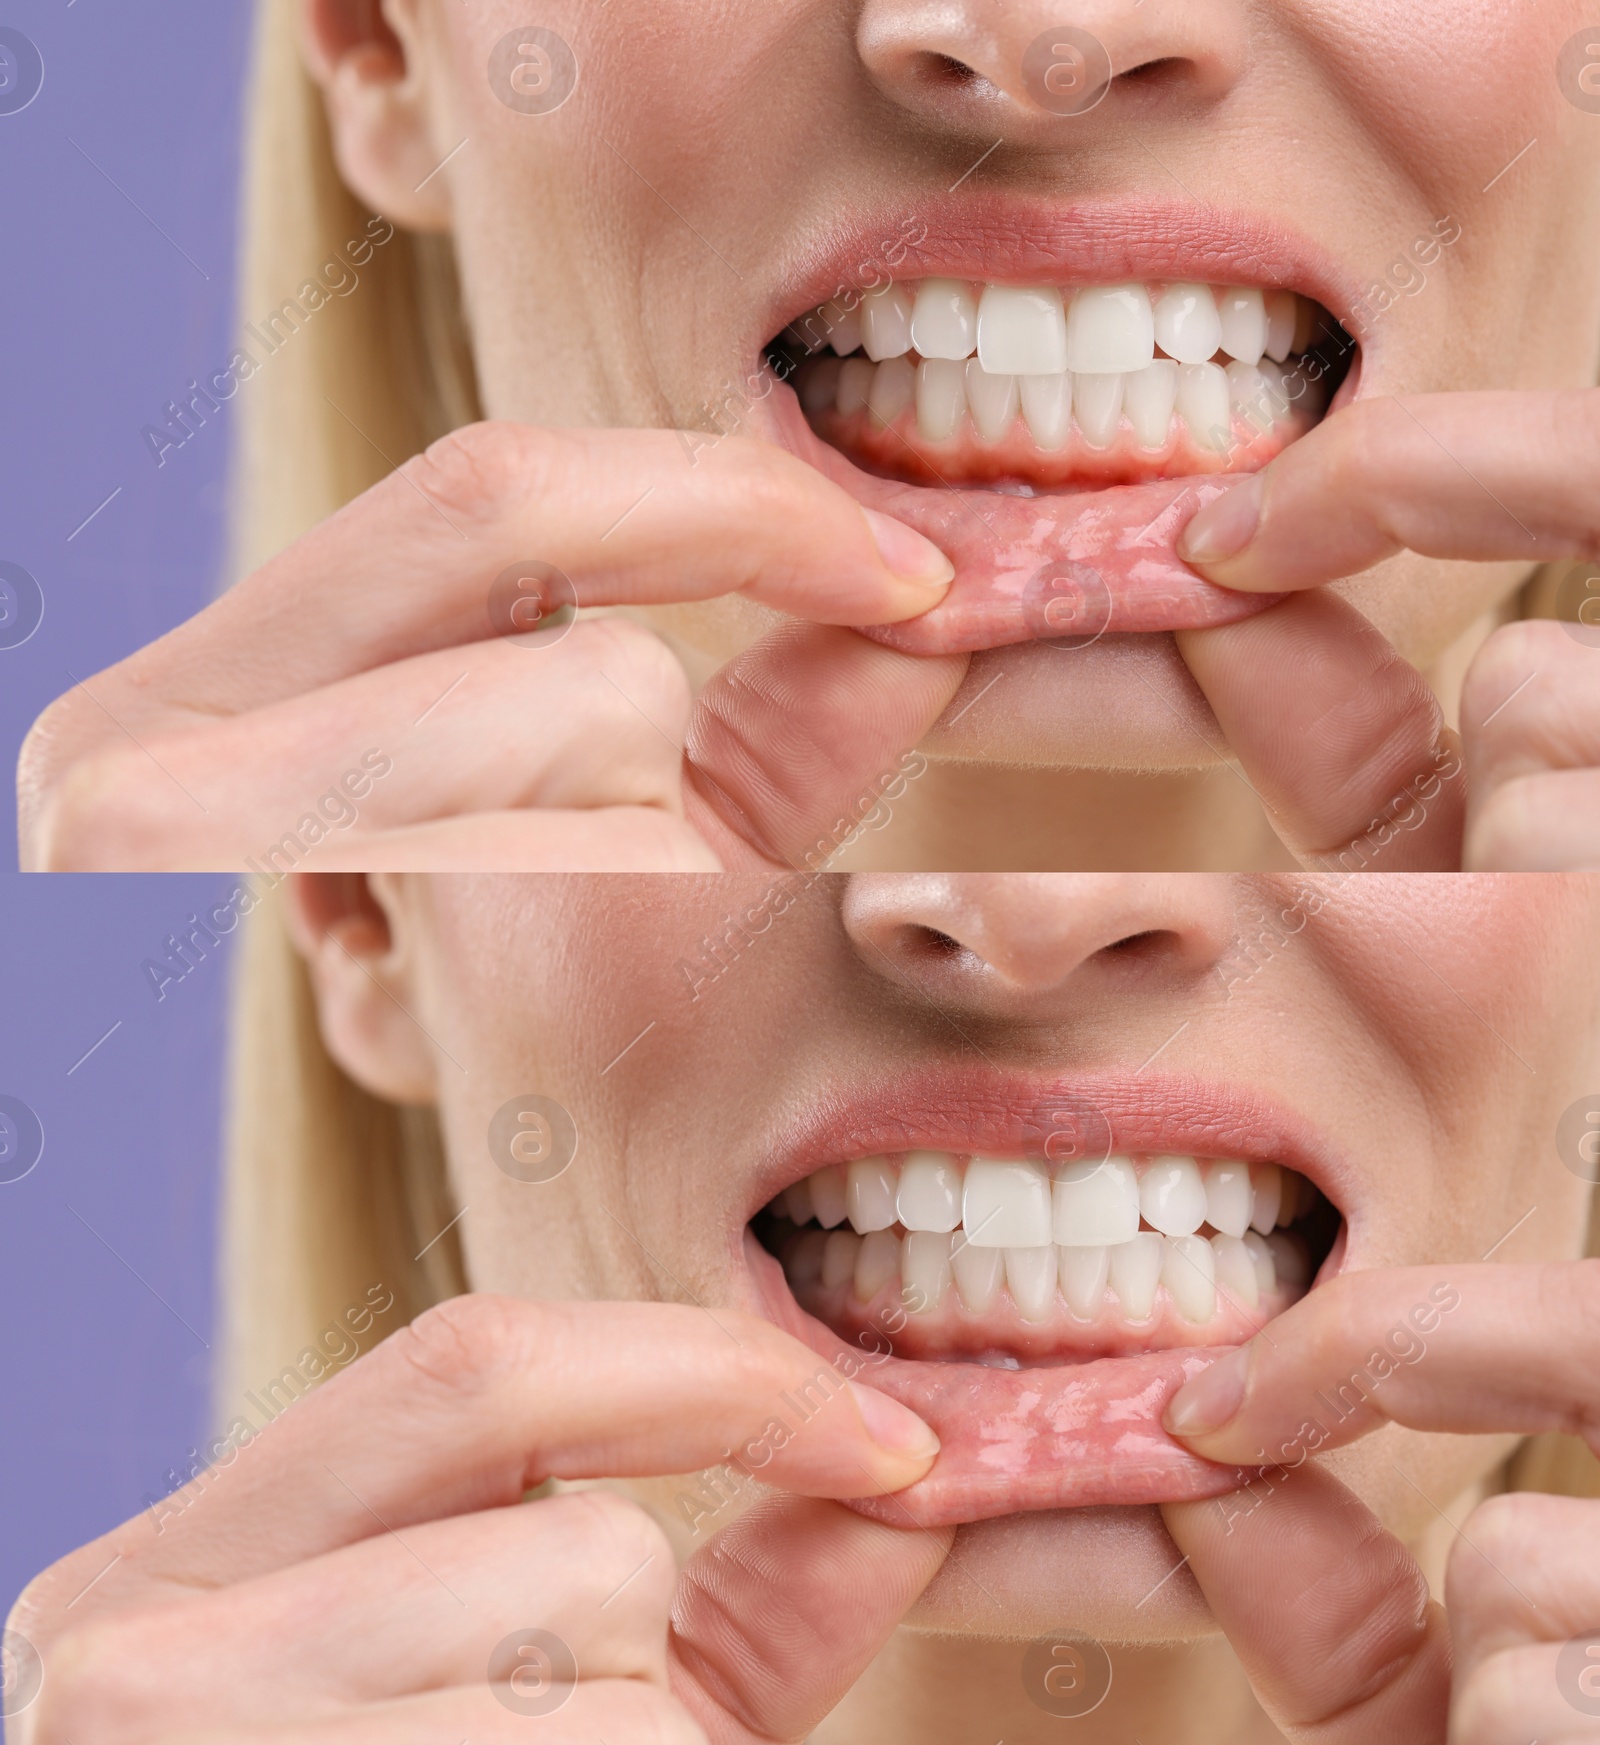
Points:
point(1292, 1262)
point(1229, 1199)
point(944, 319)
point(844, 327)
point(1096, 1203)
point(941, 398)
point(924, 1270)
point(992, 401)
point(839, 1259)
point(1148, 396)
point(1204, 405)
point(877, 1262)
point(978, 1272)
point(855, 384)
point(1031, 1279)
point(827, 1195)
point(1005, 1204)
point(1135, 1273)
point(1292, 1192)
point(1022, 330)
point(893, 389)
point(1247, 392)
point(886, 323)
point(1110, 329)
point(1266, 1179)
point(1083, 1278)
point(869, 1194)
point(1097, 405)
point(1278, 402)
point(797, 1203)
point(1172, 1196)
point(1266, 1266)
point(1236, 1272)
point(929, 1196)
point(819, 384)
point(1047, 406)
point(1244, 322)
point(1187, 1272)
point(804, 1265)
point(1188, 327)
point(1281, 312)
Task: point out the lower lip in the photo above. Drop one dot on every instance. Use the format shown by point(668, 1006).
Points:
point(1018, 1440)
point(1065, 567)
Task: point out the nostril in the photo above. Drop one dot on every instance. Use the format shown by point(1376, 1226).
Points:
point(946, 69)
point(1144, 943)
point(1169, 70)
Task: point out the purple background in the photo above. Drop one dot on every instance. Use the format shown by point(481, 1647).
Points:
point(103, 1373)
point(104, 320)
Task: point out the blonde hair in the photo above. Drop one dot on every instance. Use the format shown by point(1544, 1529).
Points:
point(330, 1192)
point(368, 379)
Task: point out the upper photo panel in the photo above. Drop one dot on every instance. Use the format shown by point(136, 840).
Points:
point(868, 434)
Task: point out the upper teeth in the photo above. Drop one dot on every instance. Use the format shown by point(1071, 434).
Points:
point(1089, 358)
point(1011, 1203)
point(1040, 330)
point(981, 1220)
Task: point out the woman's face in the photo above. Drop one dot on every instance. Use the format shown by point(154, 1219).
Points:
point(628, 257)
point(1408, 1045)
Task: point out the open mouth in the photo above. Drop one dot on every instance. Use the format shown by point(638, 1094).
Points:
point(1029, 388)
point(1053, 427)
point(1040, 1314)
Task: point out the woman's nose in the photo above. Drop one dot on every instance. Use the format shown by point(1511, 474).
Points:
point(1036, 945)
point(1012, 69)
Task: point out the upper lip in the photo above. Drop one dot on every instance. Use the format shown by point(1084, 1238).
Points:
point(979, 1109)
point(1002, 237)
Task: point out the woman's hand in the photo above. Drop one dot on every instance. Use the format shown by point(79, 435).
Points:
point(1327, 1611)
point(354, 702)
point(360, 1574)
point(1342, 738)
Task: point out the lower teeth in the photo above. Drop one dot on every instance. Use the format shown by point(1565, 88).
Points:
point(1200, 1274)
point(1212, 406)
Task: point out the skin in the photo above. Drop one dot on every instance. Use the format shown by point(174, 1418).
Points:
point(598, 299)
point(1388, 1022)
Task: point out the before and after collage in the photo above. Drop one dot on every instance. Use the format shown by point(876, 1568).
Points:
point(805, 940)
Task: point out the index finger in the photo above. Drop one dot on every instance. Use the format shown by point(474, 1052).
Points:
point(1470, 1349)
point(484, 1397)
point(628, 517)
point(1476, 476)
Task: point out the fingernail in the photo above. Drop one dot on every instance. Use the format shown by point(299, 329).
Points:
point(1212, 1399)
point(892, 1426)
point(1224, 528)
point(907, 553)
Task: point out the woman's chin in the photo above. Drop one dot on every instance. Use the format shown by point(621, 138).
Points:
point(1110, 1573)
point(1123, 702)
